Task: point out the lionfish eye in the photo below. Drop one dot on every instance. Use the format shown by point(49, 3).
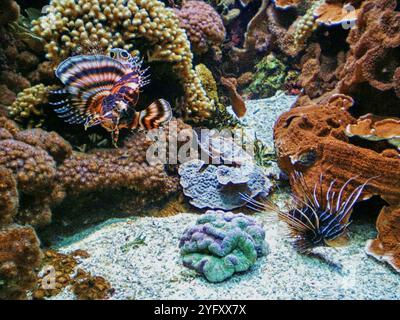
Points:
point(112, 54)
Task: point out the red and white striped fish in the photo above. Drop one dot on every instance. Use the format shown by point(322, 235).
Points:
point(104, 90)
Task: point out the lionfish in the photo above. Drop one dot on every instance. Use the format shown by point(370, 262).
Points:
point(104, 90)
point(316, 218)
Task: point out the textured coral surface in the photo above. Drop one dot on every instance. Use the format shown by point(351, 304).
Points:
point(203, 26)
point(386, 247)
point(311, 140)
point(20, 256)
point(221, 244)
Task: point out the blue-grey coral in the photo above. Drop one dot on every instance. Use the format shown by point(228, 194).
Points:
point(222, 244)
point(219, 187)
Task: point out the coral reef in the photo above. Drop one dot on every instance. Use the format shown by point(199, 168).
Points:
point(386, 246)
point(28, 106)
point(20, 256)
point(63, 267)
point(113, 25)
point(9, 12)
point(203, 25)
point(8, 197)
point(219, 187)
point(374, 50)
point(374, 128)
point(312, 140)
point(268, 78)
point(89, 287)
point(222, 244)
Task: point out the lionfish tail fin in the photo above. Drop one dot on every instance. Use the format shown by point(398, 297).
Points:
point(155, 115)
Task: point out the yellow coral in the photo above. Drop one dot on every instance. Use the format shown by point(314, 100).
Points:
point(307, 24)
point(208, 82)
point(71, 24)
point(27, 107)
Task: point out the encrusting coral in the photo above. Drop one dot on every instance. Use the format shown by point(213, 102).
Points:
point(20, 256)
point(386, 246)
point(203, 26)
point(63, 268)
point(222, 244)
point(70, 25)
point(8, 197)
point(374, 49)
point(312, 140)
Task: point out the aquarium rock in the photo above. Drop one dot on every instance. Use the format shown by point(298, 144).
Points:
point(222, 244)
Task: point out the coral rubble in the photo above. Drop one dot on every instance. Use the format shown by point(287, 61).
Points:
point(222, 244)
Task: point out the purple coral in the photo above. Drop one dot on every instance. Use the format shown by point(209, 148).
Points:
point(221, 244)
point(203, 26)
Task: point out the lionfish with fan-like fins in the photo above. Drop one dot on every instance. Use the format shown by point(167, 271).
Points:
point(104, 90)
point(316, 218)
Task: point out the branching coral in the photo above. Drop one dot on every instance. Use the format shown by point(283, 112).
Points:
point(28, 107)
point(203, 26)
point(70, 24)
point(20, 256)
point(222, 244)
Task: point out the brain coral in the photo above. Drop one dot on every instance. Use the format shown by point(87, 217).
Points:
point(222, 244)
point(69, 25)
point(203, 26)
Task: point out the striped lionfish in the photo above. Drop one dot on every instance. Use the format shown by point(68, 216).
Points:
point(316, 218)
point(103, 90)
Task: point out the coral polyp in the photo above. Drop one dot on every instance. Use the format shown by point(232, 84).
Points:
point(316, 217)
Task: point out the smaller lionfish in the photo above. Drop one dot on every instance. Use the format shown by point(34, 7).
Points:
point(316, 218)
point(103, 90)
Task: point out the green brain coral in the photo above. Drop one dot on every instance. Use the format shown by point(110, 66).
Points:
point(222, 244)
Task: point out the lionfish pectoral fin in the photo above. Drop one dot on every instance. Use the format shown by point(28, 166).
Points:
point(155, 115)
point(340, 241)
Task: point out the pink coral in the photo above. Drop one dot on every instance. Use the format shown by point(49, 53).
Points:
point(203, 26)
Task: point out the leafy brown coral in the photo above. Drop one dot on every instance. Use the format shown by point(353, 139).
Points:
point(374, 49)
point(311, 140)
point(386, 247)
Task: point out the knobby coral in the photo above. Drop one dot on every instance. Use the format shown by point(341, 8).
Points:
point(203, 26)
point(221, 244)
point(70, 24)
point(20, 256)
